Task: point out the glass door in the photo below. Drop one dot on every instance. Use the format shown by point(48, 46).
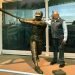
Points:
point(15, 35)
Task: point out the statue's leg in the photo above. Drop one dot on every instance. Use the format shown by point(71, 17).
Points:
point(35, 56)
point(34, 53)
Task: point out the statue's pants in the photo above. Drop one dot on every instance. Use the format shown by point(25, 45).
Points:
point(36, 48)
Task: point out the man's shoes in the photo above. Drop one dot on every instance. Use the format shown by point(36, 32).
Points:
point(53, 62)
point(62, 65)
point(37, 69)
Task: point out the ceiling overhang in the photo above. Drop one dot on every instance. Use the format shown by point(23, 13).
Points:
point(32, 4)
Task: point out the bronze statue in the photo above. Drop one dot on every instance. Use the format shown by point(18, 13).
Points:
point(37, 37)
point(36, 41)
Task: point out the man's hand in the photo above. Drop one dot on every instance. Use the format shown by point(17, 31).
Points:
point(48, 22)
point(63, 42)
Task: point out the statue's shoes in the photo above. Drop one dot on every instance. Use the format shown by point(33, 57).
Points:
point(38, 70)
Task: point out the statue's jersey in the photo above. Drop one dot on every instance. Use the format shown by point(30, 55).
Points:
point(38, 30)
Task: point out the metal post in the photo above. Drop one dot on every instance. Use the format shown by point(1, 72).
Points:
point(0, 28)
point(47, 31)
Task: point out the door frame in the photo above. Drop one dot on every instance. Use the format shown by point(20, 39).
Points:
point(44, 54)
point(0, 28)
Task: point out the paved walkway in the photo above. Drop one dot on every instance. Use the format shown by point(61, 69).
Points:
point(26, 65)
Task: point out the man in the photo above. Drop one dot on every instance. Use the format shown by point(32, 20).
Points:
point(59, 38)
point(38, 28)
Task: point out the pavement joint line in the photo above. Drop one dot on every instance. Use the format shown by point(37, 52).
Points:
point(18, 72)
point(5, 62)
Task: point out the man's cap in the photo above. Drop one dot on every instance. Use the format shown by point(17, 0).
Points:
point(38, 13)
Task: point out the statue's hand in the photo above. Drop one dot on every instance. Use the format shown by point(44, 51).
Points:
point(21, 20)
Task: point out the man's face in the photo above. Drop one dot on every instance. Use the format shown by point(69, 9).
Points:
point(38, 18)
point(55, 16)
